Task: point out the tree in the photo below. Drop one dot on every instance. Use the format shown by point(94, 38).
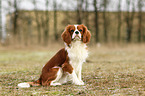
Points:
point(55, 19)
point(0, 21)
point(46, 31)
point(79, 11)
point(67, 16)
point(15, 17)
point(140, 5)
point(119, 21)
point(105, 2)
point(129, 20)
point(87, 14)
point(29, 31)
point(37, 22)
point(96, 21)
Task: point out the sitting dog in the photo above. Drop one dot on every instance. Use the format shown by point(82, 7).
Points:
point(66, 64)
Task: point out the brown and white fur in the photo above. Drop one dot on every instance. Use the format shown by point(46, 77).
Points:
point(66, 64)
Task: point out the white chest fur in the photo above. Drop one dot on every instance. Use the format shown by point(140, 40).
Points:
point(77, 54)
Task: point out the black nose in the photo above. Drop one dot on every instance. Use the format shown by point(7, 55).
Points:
point(77, 32)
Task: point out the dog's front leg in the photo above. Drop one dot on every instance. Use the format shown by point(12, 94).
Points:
point(80, 74)
point(72, 74)
point(75, 79)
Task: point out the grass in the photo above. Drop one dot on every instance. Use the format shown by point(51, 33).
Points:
point(117, 71)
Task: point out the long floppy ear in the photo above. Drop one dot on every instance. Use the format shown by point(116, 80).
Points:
point(86, 35)
point(66, 36)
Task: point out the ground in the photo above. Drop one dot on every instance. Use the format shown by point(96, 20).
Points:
point(109, 70)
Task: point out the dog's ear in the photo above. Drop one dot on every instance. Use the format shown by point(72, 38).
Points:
point(86, 34)
point(66, 35)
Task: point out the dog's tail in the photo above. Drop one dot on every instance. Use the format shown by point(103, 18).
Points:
point(29, 84)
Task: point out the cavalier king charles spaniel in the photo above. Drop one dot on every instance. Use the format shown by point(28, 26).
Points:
point(66, 64)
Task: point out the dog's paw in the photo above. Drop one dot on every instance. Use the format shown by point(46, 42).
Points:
point(79, 83)
point(82, 82)
point(55, 84)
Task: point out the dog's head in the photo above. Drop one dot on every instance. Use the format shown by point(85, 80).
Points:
point(76, 32)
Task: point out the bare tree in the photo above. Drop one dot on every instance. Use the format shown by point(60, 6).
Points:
point(96, 21)
point(37, 21)
point(0, 20)
point(105, 2)
point(140, 5)
point(55, 19)
point(79, 11)
point(29, 33)
point(15, 17)
point(119, 20)
point(46, 31)
point(129, 20)
point(67, 16)
point(87, 13)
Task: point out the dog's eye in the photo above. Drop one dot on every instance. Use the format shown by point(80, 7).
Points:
point(80, 30)
point(72, 30)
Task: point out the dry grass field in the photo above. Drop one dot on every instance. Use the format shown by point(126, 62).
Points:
point(109, 70)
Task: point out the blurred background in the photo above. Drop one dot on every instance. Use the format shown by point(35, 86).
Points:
point(30, 34)
point(41, 22)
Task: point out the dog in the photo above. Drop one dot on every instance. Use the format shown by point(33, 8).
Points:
point(66, 64)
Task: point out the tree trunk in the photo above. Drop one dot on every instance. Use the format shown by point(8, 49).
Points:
point(127, 28)
point(96, 22)
point(67, 16)
point(119, 21)
point(0, 21)
point(139, 19)
point(105, 21)
point(28, 34)
point(55, 20)
point(15, 18)
point(129, 21)
point(30, 30)
point(139, 27)
point(79, 11)
point(46, 31)
point(38, 23)
point(87, 14)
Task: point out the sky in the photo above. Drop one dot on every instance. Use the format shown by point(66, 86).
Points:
point(7, 7)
